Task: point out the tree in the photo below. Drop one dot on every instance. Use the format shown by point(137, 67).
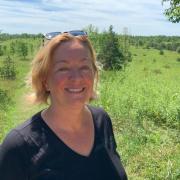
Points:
point(1, 51)
point(178, 49)
point(173, 12)
point(5, 49)
point(93, 35)
point(12, 48)
point(125, 44)
point(161, 52)
point(109, 54)
point(22, 49)
point(91, 30)
point(5, 100)
point(8, 71)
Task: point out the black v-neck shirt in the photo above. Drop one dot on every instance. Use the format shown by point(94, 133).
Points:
point(32, 151)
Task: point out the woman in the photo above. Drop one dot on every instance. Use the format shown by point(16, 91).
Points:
point(70, 140)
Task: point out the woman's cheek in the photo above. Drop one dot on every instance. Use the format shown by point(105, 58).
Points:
point(58, 81)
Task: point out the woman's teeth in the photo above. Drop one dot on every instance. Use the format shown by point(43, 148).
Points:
point(73, 90)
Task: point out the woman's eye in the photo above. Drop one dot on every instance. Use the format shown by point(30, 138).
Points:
point(63, 69)
point(86, 68)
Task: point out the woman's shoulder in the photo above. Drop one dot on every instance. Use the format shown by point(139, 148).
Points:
point(20, 135)
point(100, 116)
point(19, 147)
point(97, 110)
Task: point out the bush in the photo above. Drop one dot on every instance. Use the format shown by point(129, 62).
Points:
point(5, 100)
point(157, 71)
point(167, 66)
point(8, 71)
point(161, 52)
point(178, 49)
point(1, 51)
point(178, 59)
point(109, 54)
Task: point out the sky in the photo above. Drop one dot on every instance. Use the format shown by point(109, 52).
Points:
point(141, 17)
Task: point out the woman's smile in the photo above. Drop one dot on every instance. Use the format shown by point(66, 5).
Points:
point(75, 90)
point(71, 78)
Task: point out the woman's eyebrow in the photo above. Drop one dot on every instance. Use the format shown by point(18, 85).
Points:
point(67, 62)
point(62, 61)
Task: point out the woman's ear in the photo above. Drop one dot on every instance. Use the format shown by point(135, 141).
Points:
point(45, 84)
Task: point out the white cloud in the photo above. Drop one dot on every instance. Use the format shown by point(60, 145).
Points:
point(140, 16)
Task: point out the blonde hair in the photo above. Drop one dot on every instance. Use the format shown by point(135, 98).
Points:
point(42, 63)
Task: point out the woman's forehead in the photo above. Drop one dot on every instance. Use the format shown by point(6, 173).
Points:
point(68, 61)
point(71, 48)
point(72, 45)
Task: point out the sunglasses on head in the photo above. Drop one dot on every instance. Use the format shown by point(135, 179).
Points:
point(51, 35)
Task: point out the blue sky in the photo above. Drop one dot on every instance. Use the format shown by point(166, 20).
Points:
point(141, 17)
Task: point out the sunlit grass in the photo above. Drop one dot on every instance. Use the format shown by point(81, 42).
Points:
point(144, 104)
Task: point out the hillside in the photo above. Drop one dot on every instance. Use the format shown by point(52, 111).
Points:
point(143, 101)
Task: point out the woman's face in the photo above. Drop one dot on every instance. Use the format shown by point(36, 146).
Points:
point(71, 77)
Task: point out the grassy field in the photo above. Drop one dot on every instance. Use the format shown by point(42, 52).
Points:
point(144, 103)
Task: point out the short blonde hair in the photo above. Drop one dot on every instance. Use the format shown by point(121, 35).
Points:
point(42, 63)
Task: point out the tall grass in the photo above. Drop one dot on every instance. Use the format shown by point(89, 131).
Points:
point(144, 103)
point(145, 108)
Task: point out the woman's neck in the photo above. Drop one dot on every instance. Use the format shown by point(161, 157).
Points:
point(66, 119)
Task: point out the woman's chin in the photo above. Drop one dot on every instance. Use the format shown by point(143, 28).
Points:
point(76, 103)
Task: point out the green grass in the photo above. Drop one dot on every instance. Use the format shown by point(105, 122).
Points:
point(144, 104)
point(145, 108)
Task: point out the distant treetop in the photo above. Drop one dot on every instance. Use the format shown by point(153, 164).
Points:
point(173, 12)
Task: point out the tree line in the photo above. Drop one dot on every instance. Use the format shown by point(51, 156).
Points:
point(171, 43)
point(113, 50)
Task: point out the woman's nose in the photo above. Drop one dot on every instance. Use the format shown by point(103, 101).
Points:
point(75, 75)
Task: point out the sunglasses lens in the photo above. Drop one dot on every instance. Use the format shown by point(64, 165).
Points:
point(78, 33)
point(51, 35)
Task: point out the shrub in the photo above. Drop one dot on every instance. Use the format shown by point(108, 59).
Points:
point(178, 59)
point(161, 52)
point(1, 51)
point(166, 66)
point(157, 71)
point(178, 49)
point(5, 100)
point(8, 71)
point(110, 55)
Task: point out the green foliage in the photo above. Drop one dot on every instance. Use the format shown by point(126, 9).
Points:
point(161, 52)
point(143, 101)
point(22, 49)
point(145, 108)
point(173, 12)
point(93, 36)
point(140, 43)
point(178, 59)
point(6, 36)
point(1, 50)
point(12, 48)
point(157, 42)
point(5, 100)
point(124, 43)
point(91, 30)
point(8, 71)
point(110, 55)
point(5, 49)
point(178, 49)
